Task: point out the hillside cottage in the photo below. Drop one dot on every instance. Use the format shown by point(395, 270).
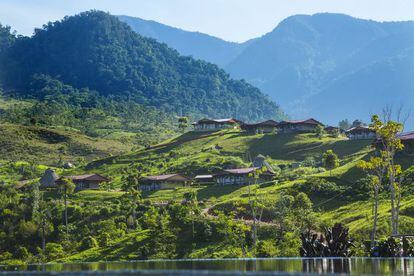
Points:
point(160, 182)
point(204, 179)
point(308, 125)
point(85, 181)
point(268, 126)
point(244, 176)
point(407, 139)
point(215, 124)
point(50, 179)
point(331, 130)
point(241, 176)
point(360, 133)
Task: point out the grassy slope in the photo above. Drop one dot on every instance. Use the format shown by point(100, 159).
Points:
point(46, 146)
point(30, 148)
point(195, 152)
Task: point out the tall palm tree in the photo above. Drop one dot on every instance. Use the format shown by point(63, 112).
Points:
point(66, 186)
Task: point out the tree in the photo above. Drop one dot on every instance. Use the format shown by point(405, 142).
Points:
point(66, 187)
point(256, 204)
point(344, 124)
point(376, 167)
point(357, 123)
point(320, 131)
point(330, 160)
point(389, 144)
point(191, 201)
point(182, 123)
point(41, 214)
point(133, 198)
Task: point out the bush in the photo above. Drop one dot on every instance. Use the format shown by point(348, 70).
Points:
point(267, 248)
point(319, 187)
point(21, 253)
point(88, 242)
point(54, 251)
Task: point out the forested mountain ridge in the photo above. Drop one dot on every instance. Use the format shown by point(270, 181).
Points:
point(196, 44)
point(321, 65)
point(95, 50)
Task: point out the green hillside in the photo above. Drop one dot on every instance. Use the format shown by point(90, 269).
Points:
point(196, 153)
point(26, 151)
point(97, 51)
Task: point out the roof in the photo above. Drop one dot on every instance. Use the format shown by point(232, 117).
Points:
point(243, 171)
point(309, 121)
point(227, 120)
point(164, 177)
point(270, 123)
point(49, 178)
point(204, 176)
point(260, 162)
point(360, 129)
point(87, 177)
point(406, 136)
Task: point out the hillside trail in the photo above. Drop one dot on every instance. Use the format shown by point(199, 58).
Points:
point(306, 149)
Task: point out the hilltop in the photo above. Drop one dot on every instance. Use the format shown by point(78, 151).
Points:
point(96, 51)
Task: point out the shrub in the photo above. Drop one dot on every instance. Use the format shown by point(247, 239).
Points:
point(21, 253)
point(54, 251)
point(319, 187)
point(267, 248)
point(88, 242)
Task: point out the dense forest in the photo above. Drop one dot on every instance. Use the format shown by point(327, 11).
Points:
point(95, 50)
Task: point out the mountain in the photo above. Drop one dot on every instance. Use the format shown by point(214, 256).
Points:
point(95, 50)
point(332, 66)
point(329, 66)
point(198, 45)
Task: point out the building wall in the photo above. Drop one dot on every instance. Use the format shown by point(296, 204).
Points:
point(292, 128)
point(361, 136)
point(86, 185)
point(210, 127)
point(160, 185)
point(233, 179)
point(230, 179)
point(257, 130)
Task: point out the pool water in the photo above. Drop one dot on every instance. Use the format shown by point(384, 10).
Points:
point(265, 266)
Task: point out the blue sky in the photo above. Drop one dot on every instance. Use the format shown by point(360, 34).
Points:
point(233, 20)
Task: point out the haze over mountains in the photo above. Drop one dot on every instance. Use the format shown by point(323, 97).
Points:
point(328, 66)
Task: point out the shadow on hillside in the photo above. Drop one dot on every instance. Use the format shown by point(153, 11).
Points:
point(273, 145)
point(216, 191)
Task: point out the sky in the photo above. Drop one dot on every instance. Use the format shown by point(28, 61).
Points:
point(232, 20)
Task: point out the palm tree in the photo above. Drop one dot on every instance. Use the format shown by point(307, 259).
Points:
point(66, 186)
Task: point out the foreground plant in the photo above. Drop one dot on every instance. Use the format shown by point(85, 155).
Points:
point(335, 243)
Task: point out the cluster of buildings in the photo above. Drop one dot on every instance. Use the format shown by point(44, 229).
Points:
point(259, 172)
point(271, 126)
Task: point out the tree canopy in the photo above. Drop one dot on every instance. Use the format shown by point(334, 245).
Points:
point(95, 50)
